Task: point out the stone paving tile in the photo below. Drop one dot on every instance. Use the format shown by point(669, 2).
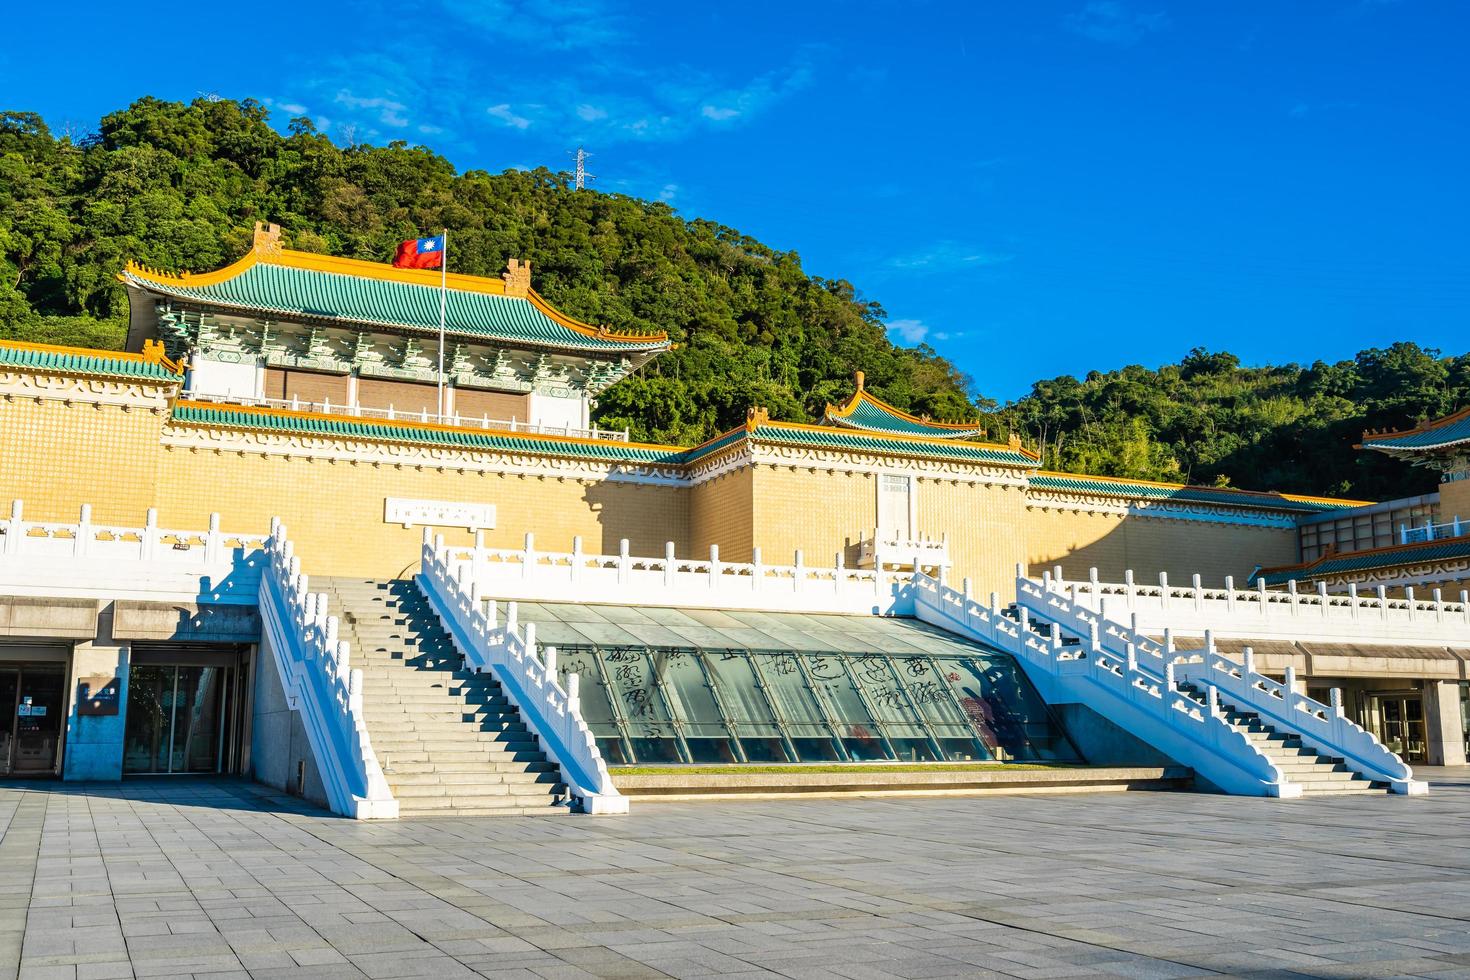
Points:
point(222, 878)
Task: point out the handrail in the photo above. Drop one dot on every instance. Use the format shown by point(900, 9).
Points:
point(1145, 683)
point(314, 668)
point(529, 574)
point(327, 407)
point(81, 558)
point(1323, 727)
point(509, 651)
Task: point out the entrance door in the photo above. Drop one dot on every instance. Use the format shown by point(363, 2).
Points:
point(1401, 724)
point(30, 719)
point(177, 718)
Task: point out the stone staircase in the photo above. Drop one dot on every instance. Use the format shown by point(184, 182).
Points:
point(1316, 774)
point(449, 741)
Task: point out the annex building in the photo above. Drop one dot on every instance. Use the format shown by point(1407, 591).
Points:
point(252, 543)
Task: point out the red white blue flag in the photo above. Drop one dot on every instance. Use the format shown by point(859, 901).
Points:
point(420, 253)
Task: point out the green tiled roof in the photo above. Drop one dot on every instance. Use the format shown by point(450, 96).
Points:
point(874, 417)
point(1448, 431)
point(287, 291)
point(340, 428)
point(1383, 558)
point(968, 452)
point(1203, 495)
point(77, 362)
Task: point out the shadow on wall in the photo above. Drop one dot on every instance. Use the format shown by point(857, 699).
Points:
point(649, 520)
point(1181, 548)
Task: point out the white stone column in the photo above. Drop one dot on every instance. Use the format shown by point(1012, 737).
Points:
point(1444, 731)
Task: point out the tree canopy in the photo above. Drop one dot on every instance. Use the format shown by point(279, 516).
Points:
point(180, 186)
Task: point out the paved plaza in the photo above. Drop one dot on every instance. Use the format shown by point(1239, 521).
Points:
point(222, 878)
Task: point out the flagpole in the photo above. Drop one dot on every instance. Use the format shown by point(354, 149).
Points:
point(443, 298)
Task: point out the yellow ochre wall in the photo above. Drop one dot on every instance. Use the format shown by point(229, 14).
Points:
point(819, 512)
point(720, 512)
point(1113, 543)
point(1454, 501)
point(58, 455)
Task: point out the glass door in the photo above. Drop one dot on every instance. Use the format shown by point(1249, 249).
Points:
point(177, 716)
point(31, 706)
point(1400, 725)
point(9, 701)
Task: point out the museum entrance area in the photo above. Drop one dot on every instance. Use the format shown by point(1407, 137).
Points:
point(1397, 718)
point(32, 708)
point(184, 711)
point(699, 686)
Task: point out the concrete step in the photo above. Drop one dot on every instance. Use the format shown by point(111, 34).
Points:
point(396, 742)
point(389, 758)
point(486, 791)
point(472, 766)
point(517, 776)
point(432, 804)
point(475, 811)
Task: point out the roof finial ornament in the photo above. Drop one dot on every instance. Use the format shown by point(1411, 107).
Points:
point(860, 378)
point(756, 415)
point(1015, 441)
point(267, 239)
point(517, 278)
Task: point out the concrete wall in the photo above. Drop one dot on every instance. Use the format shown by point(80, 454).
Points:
point(94, 743)
point(820, 512)
point(1103, 743)
point(278, 742)
point(721, 512)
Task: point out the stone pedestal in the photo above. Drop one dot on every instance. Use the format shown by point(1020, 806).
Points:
point(94, 742)
point(1444, 730)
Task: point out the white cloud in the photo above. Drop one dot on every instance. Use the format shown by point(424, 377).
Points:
point(948, 256)
point(590, 113)
point(505, 114)
point(909, 331)
point(1112, 22)
point(719, 113)
point(294, 108)
point(389, 111)
point(668, 193)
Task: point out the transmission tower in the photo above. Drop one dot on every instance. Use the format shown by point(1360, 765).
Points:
point(582, 176)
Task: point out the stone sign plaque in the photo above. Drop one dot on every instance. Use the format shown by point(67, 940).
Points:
point(98, 695)
point(438, 513)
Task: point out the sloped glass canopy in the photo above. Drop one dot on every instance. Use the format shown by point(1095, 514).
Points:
point(671, 686)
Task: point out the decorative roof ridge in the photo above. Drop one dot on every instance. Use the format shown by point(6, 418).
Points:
point(268, 251)
point(1383, 550)
point(1138, 481)
point(767, 421)
point(152, 353)
point(415, 424)
point(863, 395)
point(1428, 425)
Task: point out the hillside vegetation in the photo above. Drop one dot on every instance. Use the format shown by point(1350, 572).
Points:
point(180, 186)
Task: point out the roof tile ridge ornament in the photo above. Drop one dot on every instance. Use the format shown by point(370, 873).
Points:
point(517, 278)
point(756, 416)
point(860, 379)
point(267, 239)
point(1014, 441)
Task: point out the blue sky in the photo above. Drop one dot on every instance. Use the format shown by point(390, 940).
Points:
point(1032, 188)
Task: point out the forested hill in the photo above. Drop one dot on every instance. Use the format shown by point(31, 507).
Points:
point(180, 187)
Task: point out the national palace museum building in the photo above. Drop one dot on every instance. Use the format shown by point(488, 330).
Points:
point(253, 544)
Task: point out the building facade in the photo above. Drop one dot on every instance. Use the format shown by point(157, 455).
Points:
point(306, 390)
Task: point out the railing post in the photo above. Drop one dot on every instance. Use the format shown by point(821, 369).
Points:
point(1164, 590)
point(1199, 593)
point(758, 568)
point(1353, 598)
point(1292, 595)
point(625, 565)
point(14, 530)
point(1132, 657)
point(1438, 606)
point(480, 547)
point(512, 617)
point(714, 567)
point(1248, 663)
point(550, 653)
point(1169, 682)
point(1261, 596)
point(1230, 595)
point(1128, 584)
point(1322, 597)
point(967, 590)
point(492, 614)
point(1212, 700)
point(574, 694)
point(82, 543)
point(839, 571)
point(528, 557)
point(1168, 641)
point(668, 564)
point(1334, 698)
point(1409, 598)
point(214, 542)
point(1092, 583)
point(528, 638)
point(1288, 688)
point(1382, 602)
point(1210, 642)
point(577, 558)
point(799, 570)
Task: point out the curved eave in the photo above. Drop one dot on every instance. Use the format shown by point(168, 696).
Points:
point(186, 285)
point(843, 416)
point(150, 366)
point(892, 444)
point(1184, 493)
point(1372, 559)
point(212, 415)
point(1442, 433)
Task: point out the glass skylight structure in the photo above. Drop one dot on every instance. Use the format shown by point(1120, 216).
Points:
point(670, 686)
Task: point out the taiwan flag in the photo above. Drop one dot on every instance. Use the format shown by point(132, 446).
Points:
point(420, 253)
